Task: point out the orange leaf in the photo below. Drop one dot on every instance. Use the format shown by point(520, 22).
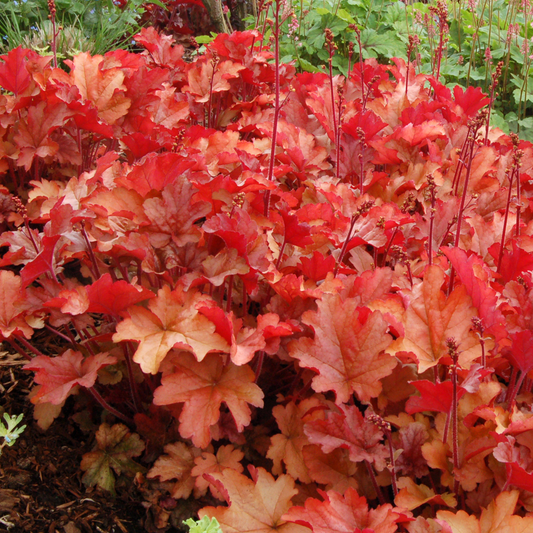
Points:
point(104, 88)
point(171, 321)
point(11, 306)
point(287, 446)
point(58, 375)
point(208, 463)
point(255, 505)
point(345, 514)
point(347, 348)
point(432, 318)
point(412, 495)
point(203, 386)
point(498, 517)
point(178, 463)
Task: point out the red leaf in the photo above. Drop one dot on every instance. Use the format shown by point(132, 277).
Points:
point(433, 397)
point(170, 320)
point(58, 375)
point(203, 386)
point(472, 272)
point(155, 172)
point(14, 75)
point(518, 477)
point(44, 262)
point(348, 429)
point(521, 352)
point(471, 100)
point(112, 298)
point(344, 514)
point(347, 350)
point(318, 266)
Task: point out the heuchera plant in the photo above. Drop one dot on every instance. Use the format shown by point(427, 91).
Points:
point(332, 331)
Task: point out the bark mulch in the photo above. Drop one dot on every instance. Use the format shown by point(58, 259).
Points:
point(40, 477)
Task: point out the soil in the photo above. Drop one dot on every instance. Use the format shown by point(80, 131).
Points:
point(40, 477)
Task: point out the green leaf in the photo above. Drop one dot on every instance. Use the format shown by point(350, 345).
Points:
point(205, 525)
point(206, 39)
point(11, 432)
point(115, 446)
point(344, 15)
point(307, 66)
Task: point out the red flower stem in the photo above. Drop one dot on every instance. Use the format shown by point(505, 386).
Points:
point(27, 345)
point(244, 300)
point(432, 210)
point(278, 262)
point(462, 205)
point(518, 208)
point(455, 433)
point(97, 396)
point(259, 365)
point(133, 385)
point(505, 219)
point(389, 244)
point(338, 142)
point(344, 246)
point(90, 250)
point(515, 390)
point(214, 63)
point(87, 342)
point(229, 294)
point(446, 426)
point(375, 482)
point(277, 108)
point(18, 349)
point(362, 167)
point(512, 382)
point(392, 462)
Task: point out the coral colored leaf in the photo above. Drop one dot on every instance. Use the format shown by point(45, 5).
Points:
point(520, 353)
point(44, 262)
point(459, 522)
point(293, 231)
point(333, 469)
point(344, 514)
point(209, 463)
point(287, 446)
point(255, 506)
point(203, 387)
point(115, 446)
point(351, 431)
point(160, 46)
point(11, 306)
point(157, 171)
point(433, 397)
point(14, 76)
point(318, 266)
point(347, 349)
point(33, 135)
point(173, 216)
point(206, 78)
point(103, 87)
point(498, 517)
point(171, 320)
point(412, 495)
point(518, 477)
point(431, 318)
point(58, 375)
point(473, 273)
point(112, 298)
point(177, 463)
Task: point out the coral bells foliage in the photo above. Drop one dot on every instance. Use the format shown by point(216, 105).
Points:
point(335, 339)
